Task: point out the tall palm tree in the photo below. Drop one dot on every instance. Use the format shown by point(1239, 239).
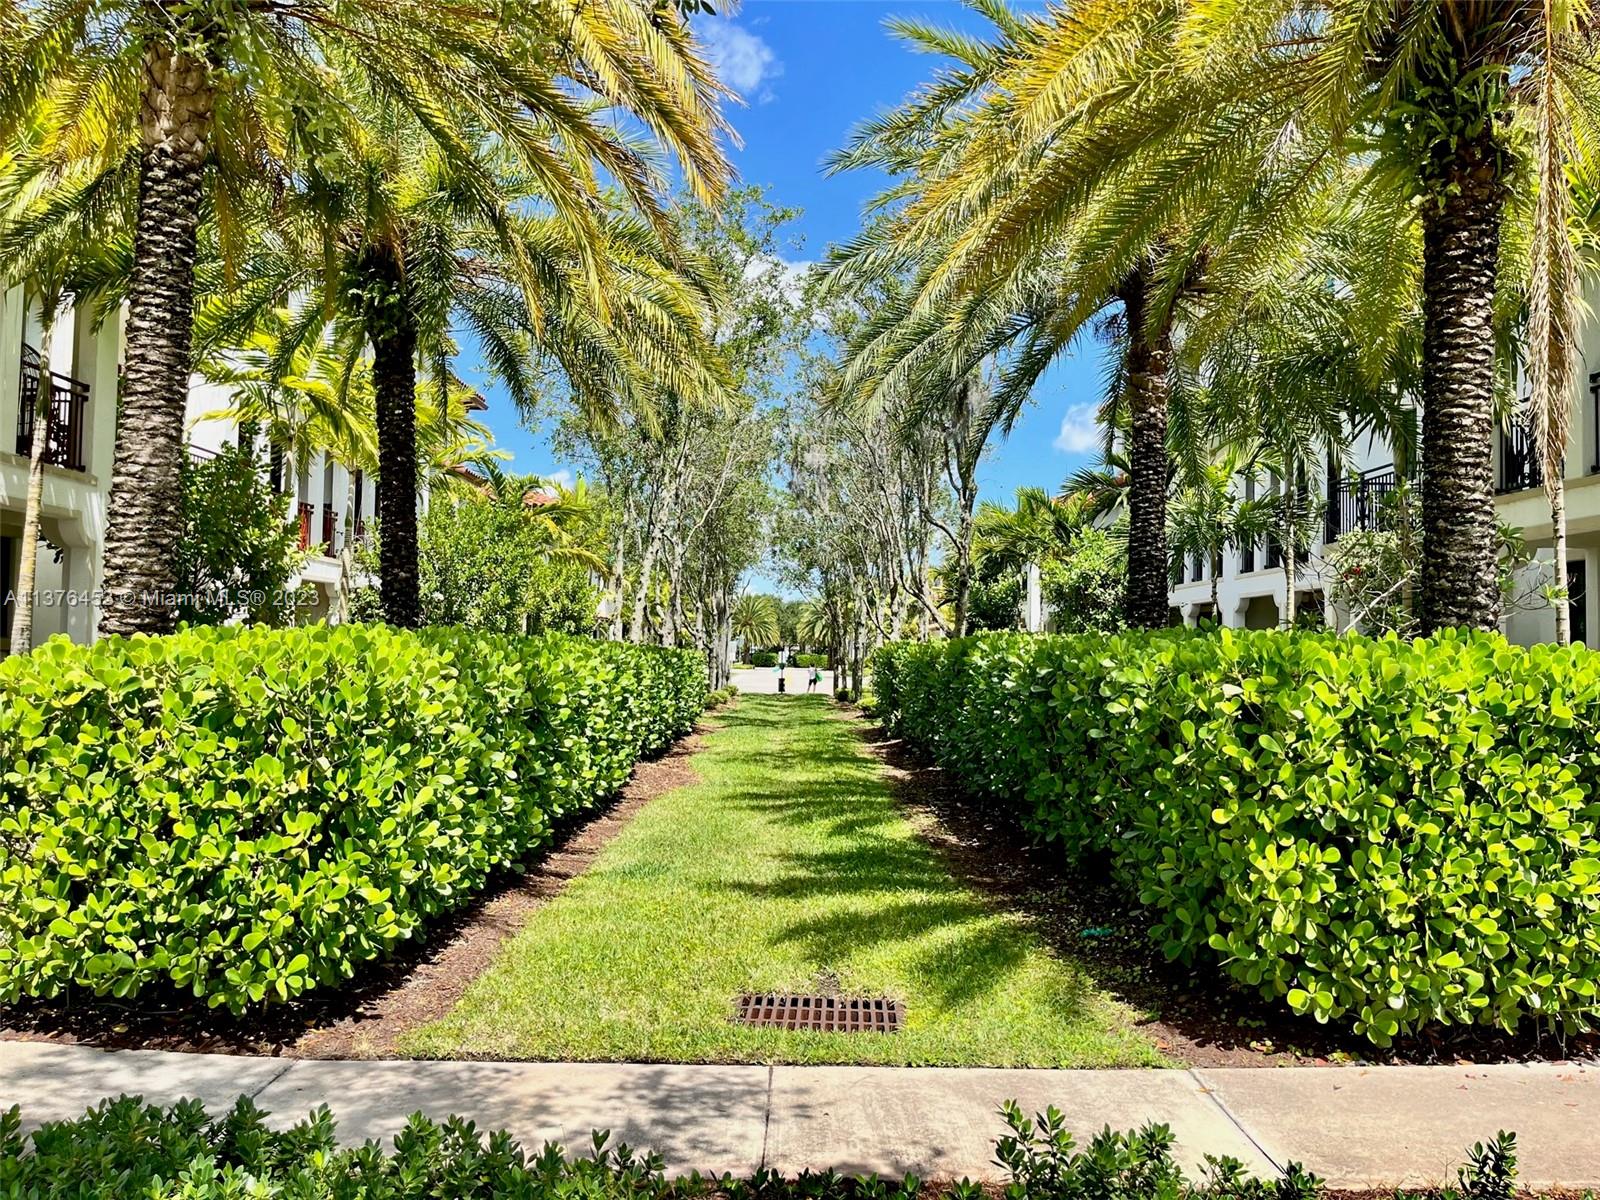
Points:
point(199, 96)
point(984, 282)
point(401, 241)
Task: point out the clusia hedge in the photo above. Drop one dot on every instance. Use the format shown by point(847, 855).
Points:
point(1387, 833)
point(249, 814)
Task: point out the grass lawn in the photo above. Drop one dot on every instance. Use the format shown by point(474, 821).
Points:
point(789, 868)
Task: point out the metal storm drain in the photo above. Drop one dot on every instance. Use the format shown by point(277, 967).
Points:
point(824, 1014)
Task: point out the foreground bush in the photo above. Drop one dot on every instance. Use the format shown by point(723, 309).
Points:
point(124, 1149)
point(1390, 833)
point(248, 814)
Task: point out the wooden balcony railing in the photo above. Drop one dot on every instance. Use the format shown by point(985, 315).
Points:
point(69, 404)
point(305, 524)
point(330, 524)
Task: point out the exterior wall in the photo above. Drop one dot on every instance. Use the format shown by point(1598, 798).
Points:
point(73, 517)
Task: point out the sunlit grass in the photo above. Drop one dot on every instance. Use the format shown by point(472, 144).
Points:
point(789, 868)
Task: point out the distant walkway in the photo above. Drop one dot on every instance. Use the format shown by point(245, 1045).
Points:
point(1357, 1127)
point(763, 681)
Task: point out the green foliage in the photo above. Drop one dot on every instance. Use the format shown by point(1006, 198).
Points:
point(764, 658)
point(995, 602)
point(247, 814)
point(1045, 1164)
point(239, 548)
point(125, 1148)
point(1393, 834)
point(499, 566)
point(1083, 586)
point(819, 661)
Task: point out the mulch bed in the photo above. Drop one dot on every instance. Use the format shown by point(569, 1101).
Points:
point(1200, 1019)
point(420, 982)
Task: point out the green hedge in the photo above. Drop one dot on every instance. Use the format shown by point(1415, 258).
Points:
point(764, 658)
point(248, 814)
point(819, 661)
point(1382, 832)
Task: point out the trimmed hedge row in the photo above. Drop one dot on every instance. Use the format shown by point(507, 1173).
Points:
point(248, 814)
point(1389, 833)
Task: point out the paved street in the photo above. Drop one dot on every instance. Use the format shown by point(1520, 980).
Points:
point(1358, 1127)
point(763, 681)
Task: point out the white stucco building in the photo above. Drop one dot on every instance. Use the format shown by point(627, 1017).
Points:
point(333, 503)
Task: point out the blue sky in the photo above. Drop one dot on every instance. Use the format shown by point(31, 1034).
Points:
point(809, 70)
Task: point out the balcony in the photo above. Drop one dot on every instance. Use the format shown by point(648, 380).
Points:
point(330, 524)
point(1360, 502)
point(69, 403)
point(306, 511)
point(1519, 459)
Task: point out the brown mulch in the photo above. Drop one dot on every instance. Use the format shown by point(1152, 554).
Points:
point(420, 982)
point(1197, 1017)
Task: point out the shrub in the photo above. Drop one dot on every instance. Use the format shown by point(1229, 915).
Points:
point(249, 814)
point(820, 661)
point(1389, 833)
point(124, 1148)
point(239, 547)
point(763, 658)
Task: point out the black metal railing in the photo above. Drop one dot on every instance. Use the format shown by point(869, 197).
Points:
point(1594, 413)
point(1519, 459)
point(69, 404)
point(1359, 502)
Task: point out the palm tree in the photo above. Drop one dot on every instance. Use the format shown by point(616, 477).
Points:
point(986, 278)
point(755, 620)
point(413, 240)
point(144, 79)
point(1429, 95)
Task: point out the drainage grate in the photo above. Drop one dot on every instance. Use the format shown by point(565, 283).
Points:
point(826, 1014)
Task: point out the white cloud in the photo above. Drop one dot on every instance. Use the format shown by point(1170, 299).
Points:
point(561, 478)
point(791, 275)
point(742, 60)
point(1080, 432)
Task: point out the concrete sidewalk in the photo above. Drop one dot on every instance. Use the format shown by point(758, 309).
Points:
point(1354, 1126)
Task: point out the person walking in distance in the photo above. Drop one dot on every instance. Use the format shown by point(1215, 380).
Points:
point(816, 678)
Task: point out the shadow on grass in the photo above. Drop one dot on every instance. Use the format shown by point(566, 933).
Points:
point(961, 946)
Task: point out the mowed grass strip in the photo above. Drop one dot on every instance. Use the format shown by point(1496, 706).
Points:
point(788, 869)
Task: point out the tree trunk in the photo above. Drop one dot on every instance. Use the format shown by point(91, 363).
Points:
point(144, 521)
point(1558, 524)
point(1290, 565)
point(1147, 387)
point(641, 598)
point(392, 329)
point(28, 566)
point(1461, 243)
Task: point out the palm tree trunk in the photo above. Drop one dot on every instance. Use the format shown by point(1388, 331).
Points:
point(144, 521)
point(28, 567)
point(1291, 564)
point(1147, 387)
point(1558, 524)
point(392, 329)
point(1461, 244)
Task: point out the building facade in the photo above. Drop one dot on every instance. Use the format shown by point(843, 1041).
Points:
point(334, 504)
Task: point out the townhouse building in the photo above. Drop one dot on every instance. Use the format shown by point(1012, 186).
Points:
point(333, 503)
